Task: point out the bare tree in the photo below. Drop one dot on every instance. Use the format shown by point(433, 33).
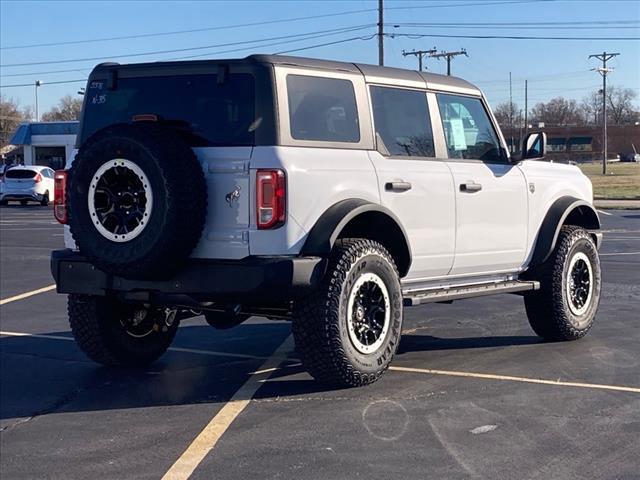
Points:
point(11, 115)
point(508, 114)
point(68, 108)
point(591, 108)
point(620, 105)
point(557, 111)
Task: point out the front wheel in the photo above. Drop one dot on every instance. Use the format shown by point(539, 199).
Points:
point(114, 333)
point(570, 281)
point(349, 328)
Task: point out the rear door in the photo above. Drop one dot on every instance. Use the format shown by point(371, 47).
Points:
point(413, 184)
point(491, 193)
point(19, 180)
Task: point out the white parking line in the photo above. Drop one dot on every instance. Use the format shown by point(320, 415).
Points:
point(219, 424)
point(619, 253)
point(510, 378)
point(27, 294)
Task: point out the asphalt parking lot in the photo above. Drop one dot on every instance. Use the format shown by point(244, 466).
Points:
point(472, 394)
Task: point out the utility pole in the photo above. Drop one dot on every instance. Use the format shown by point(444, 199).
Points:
point(604, 57)
point(526, 107)
point(38, 83)
point(420, 54)
point(380, 32)
point(510, 114)
point(449, 56)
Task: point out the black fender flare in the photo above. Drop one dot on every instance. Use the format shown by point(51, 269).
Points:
point(327, 228)
point(584, 215)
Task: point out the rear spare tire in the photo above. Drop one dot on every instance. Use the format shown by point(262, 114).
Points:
point(137, 200)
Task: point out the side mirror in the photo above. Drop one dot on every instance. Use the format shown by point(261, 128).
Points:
point(534, 146)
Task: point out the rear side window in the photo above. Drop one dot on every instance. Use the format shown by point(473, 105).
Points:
point(20, 174)
point(205, 111)
point(322, 109)
point(402, 122)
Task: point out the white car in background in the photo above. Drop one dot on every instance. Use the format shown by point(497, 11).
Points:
point(27, 183)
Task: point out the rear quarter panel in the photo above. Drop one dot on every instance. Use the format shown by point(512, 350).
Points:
point(317, 178)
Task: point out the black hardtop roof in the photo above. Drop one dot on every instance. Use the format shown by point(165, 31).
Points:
point(358, 68)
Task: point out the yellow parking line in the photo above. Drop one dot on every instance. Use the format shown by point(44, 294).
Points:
point(27, 294)
point(509, 378)
point(209, 436)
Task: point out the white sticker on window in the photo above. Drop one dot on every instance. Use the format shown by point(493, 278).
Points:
point(457, 134)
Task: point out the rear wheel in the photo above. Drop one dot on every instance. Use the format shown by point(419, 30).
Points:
point(24, 202)
point(120, 334)
point(565, 306)
point(45, 199)
point(348, 330)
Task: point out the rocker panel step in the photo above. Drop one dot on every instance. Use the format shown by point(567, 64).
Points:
point(447, 294)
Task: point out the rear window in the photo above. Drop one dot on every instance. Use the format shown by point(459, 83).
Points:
point(20, 174)
point(207, 112)
point(322, 109)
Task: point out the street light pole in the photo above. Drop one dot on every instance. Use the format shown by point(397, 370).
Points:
point(38, 83)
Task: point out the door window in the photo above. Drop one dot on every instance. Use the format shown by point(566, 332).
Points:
point(322, 109)
point(402, 122)
point(468, 131)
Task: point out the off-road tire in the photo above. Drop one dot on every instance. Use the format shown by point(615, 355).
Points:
point(320, 324)
point(95, 324)
point(179, 207)
point(548, 309)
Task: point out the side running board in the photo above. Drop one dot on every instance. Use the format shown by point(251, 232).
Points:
point(448, 294)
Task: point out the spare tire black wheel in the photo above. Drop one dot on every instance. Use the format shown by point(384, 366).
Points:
point(137, 200)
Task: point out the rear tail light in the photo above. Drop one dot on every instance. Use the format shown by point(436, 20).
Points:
point(38, 178)
point(271, 198)
point(60, 196)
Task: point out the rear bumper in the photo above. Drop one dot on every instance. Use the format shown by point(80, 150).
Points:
point(36, 197)
point(253, 278)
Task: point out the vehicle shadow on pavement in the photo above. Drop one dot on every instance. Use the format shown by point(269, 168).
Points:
point(47, 375)
point(51, 375)
point(420, 343)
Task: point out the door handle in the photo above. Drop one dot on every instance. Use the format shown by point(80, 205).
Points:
point(470, 186)
point(397, 186)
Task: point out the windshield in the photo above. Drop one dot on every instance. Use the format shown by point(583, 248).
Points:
point(205, 111)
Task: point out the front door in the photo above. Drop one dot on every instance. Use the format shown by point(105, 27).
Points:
point(491, 192)
point(413, 184)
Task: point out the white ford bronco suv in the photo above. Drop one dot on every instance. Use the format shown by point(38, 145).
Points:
point(330, 194)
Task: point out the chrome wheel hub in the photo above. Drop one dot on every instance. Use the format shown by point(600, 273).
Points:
point(120, 200)
point(369, 313)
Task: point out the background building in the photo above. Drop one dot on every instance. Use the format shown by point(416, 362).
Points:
point(42, 143)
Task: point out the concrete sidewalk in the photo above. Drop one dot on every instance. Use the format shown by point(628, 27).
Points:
point(618, 204)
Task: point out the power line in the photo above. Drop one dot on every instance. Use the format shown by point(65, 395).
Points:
point(43, 83)
point(328, 43)
point(497, 24)
point(507, 37)
point(202, 47)
point(243, 25)
point(369, 37)
point(180, 32)
point(263, 45)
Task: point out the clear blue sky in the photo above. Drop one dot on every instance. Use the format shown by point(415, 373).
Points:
point(553, 67)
